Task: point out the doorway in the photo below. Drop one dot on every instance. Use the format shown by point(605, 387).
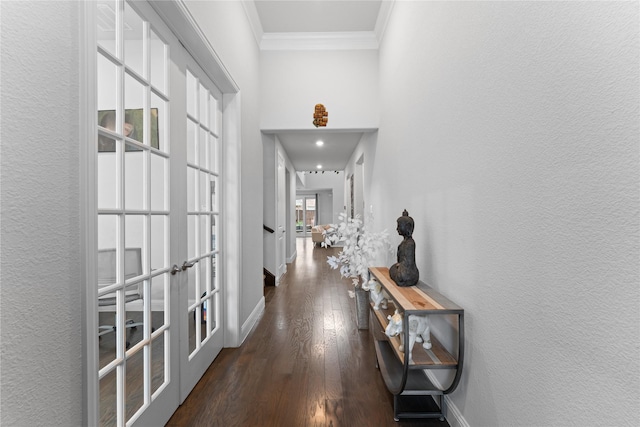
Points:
point(305, 215)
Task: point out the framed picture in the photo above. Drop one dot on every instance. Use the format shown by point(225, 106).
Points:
point(133, 128)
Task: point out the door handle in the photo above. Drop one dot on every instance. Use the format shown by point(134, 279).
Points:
point(186, 265)
point(175, 269)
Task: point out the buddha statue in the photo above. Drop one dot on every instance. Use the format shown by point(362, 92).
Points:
point(405, 272)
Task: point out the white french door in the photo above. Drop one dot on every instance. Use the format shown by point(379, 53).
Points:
point(201, 308)
point(158, 270)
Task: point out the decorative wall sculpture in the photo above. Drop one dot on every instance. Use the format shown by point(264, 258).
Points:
point(320, 116)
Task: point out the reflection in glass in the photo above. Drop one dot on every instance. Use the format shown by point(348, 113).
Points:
point(213, 154)
point(213, 107)
point(191, 236)
point(134, 115)
point(192, 134)
point(134, 314)
point(203, 236)
point(158, 301)
point(108, 400)
point(202, 186)
point(158, 183)
point(158, 235)
point(134, 240)
point(158, 351)
point(133, 53)
point(214, 190)
point(213, 311)
point(204, 110)
point(107, 89)
point(134, 177)
point(202, 148)
point(192, 95)
point(213, 232)
point(107, 179)
point(158, 116)
point(214, 277)
point(134, 386)
point(158, 56)
point(191, 189)
point(106, 25)
point(192, 330)
point(107, 231)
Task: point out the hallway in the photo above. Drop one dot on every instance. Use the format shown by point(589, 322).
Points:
point(304, 364)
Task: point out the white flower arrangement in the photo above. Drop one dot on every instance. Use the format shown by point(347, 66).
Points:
point(360, 247)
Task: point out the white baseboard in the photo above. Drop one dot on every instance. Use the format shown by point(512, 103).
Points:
point(292, 257)
point(454, 416)
point(251, 321)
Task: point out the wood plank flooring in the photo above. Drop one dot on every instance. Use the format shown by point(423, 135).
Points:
point(304, 364)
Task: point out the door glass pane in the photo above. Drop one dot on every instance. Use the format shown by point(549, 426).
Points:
point(214, 276)
point(107, 177)
point(159, 167)
point(212, 311)
point(213, 154)
point(158, 115)
point(134, 177)
point(213, 108)
point(106, 24)
point(191, 236)
point(134, 384)
point(157, 71)
point(191, 189)
point(107, 91)
point(106, 336)
point(134, 314)
point(107, 235)
point(204, 107)
point(134, 32)
point(192, 135)
point(204, 229)
point(134, 114)
point(310, 214)
point(108, 401)
point(158, 296)
point(135, 252)
point(192, 95)
point(192, 330)
point(214, 192)
point(202, 186)
point(158, 351)
point(214, 232)
point(158, 235)
point(202, 148)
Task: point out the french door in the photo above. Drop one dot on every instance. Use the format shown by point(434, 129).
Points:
point(158, 271)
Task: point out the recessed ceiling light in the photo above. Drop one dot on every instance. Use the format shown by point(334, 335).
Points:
point(319, 143)
point(319, 167)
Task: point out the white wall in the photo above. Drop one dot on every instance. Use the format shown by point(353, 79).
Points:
point(41, 295)
point(226, 26)
point(509, 130)
point(293, 82)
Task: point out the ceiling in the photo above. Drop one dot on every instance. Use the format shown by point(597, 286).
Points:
point(302, 17)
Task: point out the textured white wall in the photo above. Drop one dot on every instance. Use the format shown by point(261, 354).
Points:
point(226, 26)
point(293, 82)
point(509, 130)
point(41, 358)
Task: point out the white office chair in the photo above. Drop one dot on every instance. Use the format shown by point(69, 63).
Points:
point(107, 276)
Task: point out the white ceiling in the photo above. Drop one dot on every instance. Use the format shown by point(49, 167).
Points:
point(299, 18)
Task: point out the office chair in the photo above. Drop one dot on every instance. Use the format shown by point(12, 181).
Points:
point(107, 276)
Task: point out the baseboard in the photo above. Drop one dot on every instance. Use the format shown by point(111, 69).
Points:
point(292, 257)
point(251, 321)
point(454, 416)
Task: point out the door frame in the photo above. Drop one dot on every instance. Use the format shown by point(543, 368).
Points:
point(179, 20)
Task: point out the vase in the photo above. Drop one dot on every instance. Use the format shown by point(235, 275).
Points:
point(362, 308)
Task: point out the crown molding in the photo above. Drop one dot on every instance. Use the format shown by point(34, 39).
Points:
point(353, 40)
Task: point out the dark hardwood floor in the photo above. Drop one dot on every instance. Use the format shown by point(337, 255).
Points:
point(305, 363)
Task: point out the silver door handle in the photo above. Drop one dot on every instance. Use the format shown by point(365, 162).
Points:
point(186, 265)
point(175, 269)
